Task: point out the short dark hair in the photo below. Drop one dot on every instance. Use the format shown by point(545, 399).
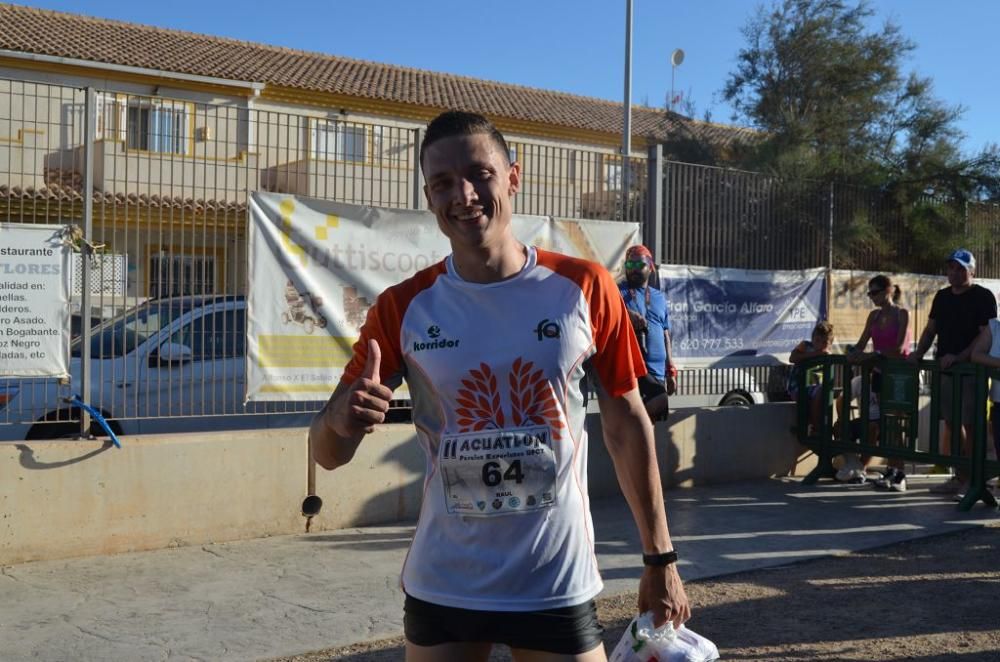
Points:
point(459, 123)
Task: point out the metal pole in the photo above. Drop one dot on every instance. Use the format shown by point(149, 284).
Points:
point(673, 68)
point(89, 132)
point(418, 189)
point(829, 257)
point(627, 129)
point(652, 230)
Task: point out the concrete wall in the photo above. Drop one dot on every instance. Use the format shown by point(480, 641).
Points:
point(60, 499)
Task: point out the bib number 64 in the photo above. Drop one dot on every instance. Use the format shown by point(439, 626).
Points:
point(493, 476)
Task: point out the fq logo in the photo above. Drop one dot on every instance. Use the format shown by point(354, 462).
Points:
point(547, 329)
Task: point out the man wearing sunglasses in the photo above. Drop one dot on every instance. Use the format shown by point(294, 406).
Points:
point(647, 309)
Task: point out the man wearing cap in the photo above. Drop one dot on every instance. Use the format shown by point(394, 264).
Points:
point(958, 314)
point(647, 308)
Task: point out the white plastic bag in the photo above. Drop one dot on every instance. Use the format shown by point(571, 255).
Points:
point(642, 643)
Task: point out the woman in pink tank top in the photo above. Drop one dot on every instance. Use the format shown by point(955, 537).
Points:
point(888, 328)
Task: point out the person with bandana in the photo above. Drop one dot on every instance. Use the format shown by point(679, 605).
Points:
point(647, 309)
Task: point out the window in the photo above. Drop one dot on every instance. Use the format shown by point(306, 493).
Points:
point(176, 275)
point(336, 141)
point(218, 335)
point(613, 175)
point(156, 128)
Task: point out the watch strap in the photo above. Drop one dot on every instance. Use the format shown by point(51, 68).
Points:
point(660, 560)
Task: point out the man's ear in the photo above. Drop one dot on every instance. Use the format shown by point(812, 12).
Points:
point(514, 178)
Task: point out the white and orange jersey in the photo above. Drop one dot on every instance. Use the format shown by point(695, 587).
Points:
point(494, 372)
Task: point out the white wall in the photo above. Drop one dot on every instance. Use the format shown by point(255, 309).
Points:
point(61, 499)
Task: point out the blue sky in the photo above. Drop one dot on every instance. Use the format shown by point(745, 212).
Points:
point(577, 46)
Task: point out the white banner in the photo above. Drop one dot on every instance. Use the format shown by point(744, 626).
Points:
point(316, 268)
point(34, 301)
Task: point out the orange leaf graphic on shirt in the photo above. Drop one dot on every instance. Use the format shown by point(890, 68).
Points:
point(479, 401)
point(532, 399)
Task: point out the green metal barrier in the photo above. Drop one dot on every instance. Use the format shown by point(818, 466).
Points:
point(899, 409)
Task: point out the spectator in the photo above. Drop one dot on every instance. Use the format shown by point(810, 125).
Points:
point(959, 314)
point(647, 309)
point(888, 329)
point(987, 352)
point(819, 345)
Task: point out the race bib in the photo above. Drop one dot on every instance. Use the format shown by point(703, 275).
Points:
point(498, 472)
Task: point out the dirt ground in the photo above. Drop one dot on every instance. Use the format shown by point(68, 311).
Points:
point(934, 599)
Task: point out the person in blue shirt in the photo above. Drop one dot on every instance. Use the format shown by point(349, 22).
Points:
point(647, 308)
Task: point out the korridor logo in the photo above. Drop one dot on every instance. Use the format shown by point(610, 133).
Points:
point(547, 329)
point(434, 331)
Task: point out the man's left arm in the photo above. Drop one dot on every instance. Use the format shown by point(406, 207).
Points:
point(628, 435)
point(671, 369)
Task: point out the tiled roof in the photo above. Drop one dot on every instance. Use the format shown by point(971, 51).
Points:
point(67, 190)
point(78, 37)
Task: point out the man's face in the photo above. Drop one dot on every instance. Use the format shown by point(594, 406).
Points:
point(958, 276)
point(636, 272)
point(469, 189)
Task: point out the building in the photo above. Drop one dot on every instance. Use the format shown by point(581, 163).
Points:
point(186, 126)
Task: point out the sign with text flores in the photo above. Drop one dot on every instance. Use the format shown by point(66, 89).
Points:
point(316, 267)
point(34, 301)
point(731, 316)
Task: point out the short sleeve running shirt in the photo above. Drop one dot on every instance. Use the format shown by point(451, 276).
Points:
point(494, 373)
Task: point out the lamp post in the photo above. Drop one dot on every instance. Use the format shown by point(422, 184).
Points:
point(676, 58)
point(627, 124)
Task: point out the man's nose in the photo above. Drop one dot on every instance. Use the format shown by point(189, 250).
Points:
point(466, 192)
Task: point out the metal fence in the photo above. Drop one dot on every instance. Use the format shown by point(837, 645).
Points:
point(161, 187)
point(723, 217)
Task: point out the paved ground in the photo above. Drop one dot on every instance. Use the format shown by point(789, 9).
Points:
point(293, 594)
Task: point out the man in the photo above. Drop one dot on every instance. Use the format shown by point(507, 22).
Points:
point(493, 343)
point(958, 314)
point(647, 310)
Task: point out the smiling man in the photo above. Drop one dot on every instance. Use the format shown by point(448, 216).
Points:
point(493, 343)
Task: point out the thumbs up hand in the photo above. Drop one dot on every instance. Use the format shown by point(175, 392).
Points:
point(366, 401)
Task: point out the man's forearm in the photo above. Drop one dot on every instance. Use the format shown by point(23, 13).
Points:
point(330, 449)
point(628, 435)
point(925, 343)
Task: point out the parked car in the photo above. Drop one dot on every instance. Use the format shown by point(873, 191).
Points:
point(167, 365)
point(742, 379)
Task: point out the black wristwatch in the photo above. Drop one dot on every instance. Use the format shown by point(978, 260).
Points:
point(660, 560)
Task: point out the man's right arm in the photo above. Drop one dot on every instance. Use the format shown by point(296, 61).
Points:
point(351, 412)
point(926, 338)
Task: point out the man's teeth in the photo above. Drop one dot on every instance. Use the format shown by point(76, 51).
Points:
point(468, 216)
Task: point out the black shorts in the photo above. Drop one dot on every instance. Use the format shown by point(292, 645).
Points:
point(564, 631)
point(650, 387)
